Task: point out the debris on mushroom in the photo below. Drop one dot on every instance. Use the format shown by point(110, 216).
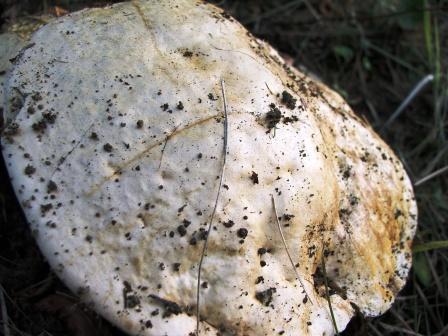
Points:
point(118, 160)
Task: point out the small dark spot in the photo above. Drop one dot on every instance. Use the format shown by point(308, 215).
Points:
point(49, 117)
point(180, 106)
point(261, 251)
point(40, 126)
point(254, 177)
point(139, 124)
point(182, 231)
point(51, 224)
point(346, 173)
point(290, 120)
point(176, 267)
point(44, 208)
point(265, 297)
point(187, 53)
point(273, 117)
point(12, 130)
point(52, 187)
point(202, 235)
point(169, 306)
point(29, 170)
point(130, 300)
point(229, 223)
point(93, 136)
point(259, 280)
point(148, 324)
point(108, 147)
point(288, 100)
point(242, 233)
point(287, 217)
point(36, 96)
point(398, 213)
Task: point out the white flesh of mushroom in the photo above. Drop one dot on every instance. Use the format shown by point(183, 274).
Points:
point(116, 154)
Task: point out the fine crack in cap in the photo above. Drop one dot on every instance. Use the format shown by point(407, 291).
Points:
point(114, 147)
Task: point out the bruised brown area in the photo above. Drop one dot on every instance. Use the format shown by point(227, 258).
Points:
point(375, 231)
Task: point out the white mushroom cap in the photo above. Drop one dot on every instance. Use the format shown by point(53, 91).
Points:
point(116, 159)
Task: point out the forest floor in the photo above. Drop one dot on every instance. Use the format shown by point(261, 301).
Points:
point(373, 52)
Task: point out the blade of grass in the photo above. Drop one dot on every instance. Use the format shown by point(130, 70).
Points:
point(287, 250)
point(5, 319)
point(427, 32)
point(327, 293)
point(440, 244)
point(435, 161)
point(221, 178)
point(272, 12)
point(415, 91)
point(394, 58)
point(431, 176)
point(438, 90)
point(427, 306)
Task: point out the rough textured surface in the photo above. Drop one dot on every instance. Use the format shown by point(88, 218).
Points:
point(10, 45)
point(114, 152)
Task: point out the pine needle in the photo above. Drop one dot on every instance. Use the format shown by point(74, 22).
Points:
point(204, 249)
point(327, 294)
point(287, 250)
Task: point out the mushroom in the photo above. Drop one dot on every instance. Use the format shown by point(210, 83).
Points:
point(117, 151)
